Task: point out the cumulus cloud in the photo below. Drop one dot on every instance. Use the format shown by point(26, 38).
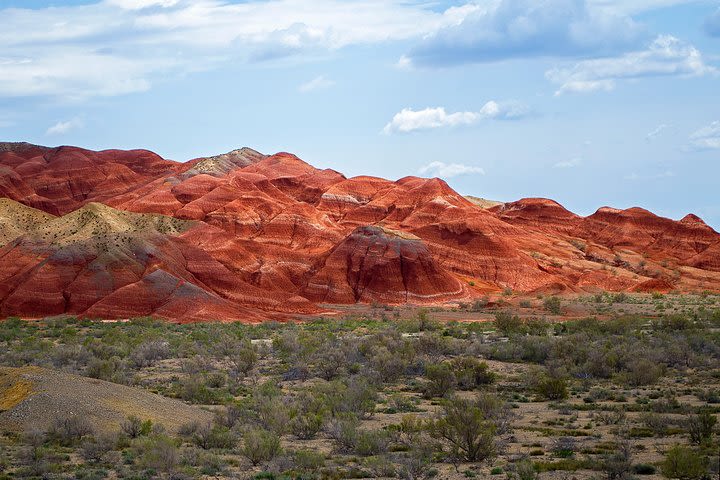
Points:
point(448, 170)
point(64, 127)
point(114, 47)
point(527, 28)
point(317, 83)
point(712, 24)
point(666, 56)
point(409, 120)
point(573, 162)
point(706, 138)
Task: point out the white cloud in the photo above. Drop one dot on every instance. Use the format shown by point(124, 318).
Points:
point(140, 4)
point(64, 127)
point(573, 162)
point(409, 120)
point(317, 83)
point(706, 138)
point(632, 7)
point(114, 47)
point(503, 29)
point(655, 132)
point(666, 56)
point(448, 170)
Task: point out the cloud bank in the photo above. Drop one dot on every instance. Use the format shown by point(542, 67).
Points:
point(527, 28)
point(665, 56)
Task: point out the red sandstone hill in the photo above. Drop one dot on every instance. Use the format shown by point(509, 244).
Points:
point(246, 236)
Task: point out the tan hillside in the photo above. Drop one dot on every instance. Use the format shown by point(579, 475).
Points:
point(17, 219)
point(482, 202)
point(33, 397)
point(102, 224)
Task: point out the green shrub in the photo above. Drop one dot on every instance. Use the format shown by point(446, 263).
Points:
point(158, 452)
point(309, 460)
point(468, 428)
point(553, 305)
point(260, 446)
point(700, 427)
point(471, 373)
point(644, 469)
point(684, 463)
point(552, 388)
point(507, 323)
point(441, 380)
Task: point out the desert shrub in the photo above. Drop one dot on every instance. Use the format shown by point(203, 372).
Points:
point(644, 469)
point(684, 463)
point(70, 357)
point(243, 360)
point(440, 380)
point(656, 423)
point(700, 427)
point(467, 429)
point(329, 362)
point(214, 436)
point(610, 417)
point(409, 433)
point(133, 427)
point(69, 430)
point(344, 431)
point(271, 411)
point(416, 463)
point(93, 449)
point(553, 305)
point(552, 387)
point(308, 460)
point(110, 370)
point(158, 452)
point(230, 416)
point(307, 416)
point(507, 323)
point(260, 446)
point(522, 470)
point(398, 403)
point(371, 442)
point(643, 372)
point(618, 465)
point(471, 373)
point(355, 396)
point(149, 352)
point(564, 447)
point(479, 304)
point(194, 389)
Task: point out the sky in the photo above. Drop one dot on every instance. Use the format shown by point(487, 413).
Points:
point(588, 102)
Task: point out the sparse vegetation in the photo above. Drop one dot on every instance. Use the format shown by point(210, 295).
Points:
point(409, 397)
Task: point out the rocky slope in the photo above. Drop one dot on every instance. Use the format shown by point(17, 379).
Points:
point(247, 236)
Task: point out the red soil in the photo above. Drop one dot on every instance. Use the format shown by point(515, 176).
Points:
point(272, 236)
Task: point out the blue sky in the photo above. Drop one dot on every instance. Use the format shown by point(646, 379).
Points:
point(588, 102)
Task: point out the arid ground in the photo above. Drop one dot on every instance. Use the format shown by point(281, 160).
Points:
point(596, 386)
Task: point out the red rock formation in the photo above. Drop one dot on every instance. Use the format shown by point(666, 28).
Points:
point(378, 264)
point(248, 236)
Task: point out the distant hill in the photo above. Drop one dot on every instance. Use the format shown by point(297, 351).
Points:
point(247, 236)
